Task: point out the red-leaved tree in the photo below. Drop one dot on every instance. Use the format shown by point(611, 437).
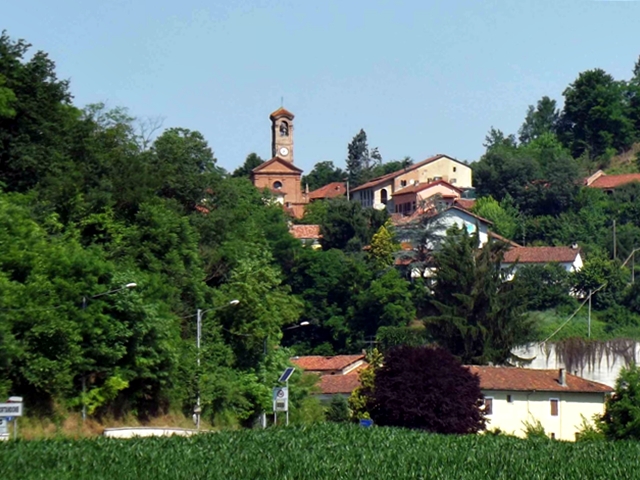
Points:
point(426, 388)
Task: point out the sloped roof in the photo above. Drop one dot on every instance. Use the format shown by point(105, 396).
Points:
point(285, 163)
point(305, 232)
point(504, 239)
point(541, 255)
point(613, 181)
point(418, 187)
point(334, 384)
point(459, 209)
point(527, 380)
point(389, 176)
point(318, 363)
point(466, 203)
point(331, 190)
point(281, 112)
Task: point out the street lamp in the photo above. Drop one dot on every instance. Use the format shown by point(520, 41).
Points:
point(198, 409)
point(84, 307)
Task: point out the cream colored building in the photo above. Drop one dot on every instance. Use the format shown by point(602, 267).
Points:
point(558, 400)
point(378, 192)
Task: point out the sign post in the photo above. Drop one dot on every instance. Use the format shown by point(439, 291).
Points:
point(12, 409)
point(280, 401)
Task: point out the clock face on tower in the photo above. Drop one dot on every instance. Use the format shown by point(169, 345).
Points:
point(284, 151)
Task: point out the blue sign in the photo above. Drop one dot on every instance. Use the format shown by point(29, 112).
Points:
point(366, 422)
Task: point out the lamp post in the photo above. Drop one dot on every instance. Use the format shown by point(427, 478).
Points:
point(198, 409)
point(84, 307)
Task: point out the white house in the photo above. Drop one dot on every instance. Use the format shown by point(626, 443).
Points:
point(570, 258)
point(558, 400)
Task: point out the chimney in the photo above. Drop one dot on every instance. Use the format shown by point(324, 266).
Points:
point(562, 380)
point(574, 246)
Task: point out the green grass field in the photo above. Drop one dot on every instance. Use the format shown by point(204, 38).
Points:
point(318, 452)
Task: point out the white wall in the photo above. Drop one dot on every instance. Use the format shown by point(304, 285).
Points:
point(599, 362)
point(510, 417)
point(468, 222)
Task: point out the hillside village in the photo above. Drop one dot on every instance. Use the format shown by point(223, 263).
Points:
point(142, 280)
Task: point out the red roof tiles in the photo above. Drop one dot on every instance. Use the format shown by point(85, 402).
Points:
point(281, 112)
point(613, 181)
point(527, 380)
point(418, 187)
point(334, 384)
point(318, 363)
point(541, 255)
point(288, 166)
point(331, 190)
point(466, 203)
point(305, 232)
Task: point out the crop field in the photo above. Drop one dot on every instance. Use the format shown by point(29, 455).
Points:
point(318, 452)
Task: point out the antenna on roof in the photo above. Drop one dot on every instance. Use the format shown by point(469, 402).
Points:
point(281, 102)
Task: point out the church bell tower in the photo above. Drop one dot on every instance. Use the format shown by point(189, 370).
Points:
point(282, 134)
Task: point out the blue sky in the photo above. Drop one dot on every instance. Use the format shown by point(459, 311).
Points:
point(421, 77)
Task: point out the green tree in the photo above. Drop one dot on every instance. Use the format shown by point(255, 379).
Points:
point(540, 119)
point(359, 161)
point(383, 246)
point(345, 226)
point(477, 316)
point(252, 161)
point(545, 286)
point(338, 410)
point(595, 115)
point(621, 419)
point(504, 223)
point(322, 174)
point(358, 401)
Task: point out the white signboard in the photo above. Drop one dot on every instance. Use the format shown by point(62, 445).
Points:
point(10, 410)
point(4, 426)
point(280, 399)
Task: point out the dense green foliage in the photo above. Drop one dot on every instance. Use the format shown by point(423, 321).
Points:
point(621, 419)
point(322, 452)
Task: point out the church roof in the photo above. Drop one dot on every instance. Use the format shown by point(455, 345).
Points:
point(282, 161)
point(281, 112)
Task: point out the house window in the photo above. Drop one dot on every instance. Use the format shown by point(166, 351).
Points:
point(554, 406)
point(452, 181)
point(454, 169)
point(403, 183)
point(488, 405)
point(509, 399)
point(384, 196)
point(277, 185)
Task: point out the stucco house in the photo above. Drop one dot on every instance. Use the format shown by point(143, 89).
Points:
point(309, 235)
point(440, 193)
point(570, 258)
point(558, 400)
point(378, 193)
point(338, 374)
point(609, 183)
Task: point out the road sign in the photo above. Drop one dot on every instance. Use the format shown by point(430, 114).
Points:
point(10, 409)
point(280, 399)
point(4, 426)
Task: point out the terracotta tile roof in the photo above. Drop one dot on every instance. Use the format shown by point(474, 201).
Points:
point(305, 232)
point(318, 363)
point(331, 190)
point(613, 181)
point(281, 112)
point(526, 379)
point(418, 187)
point(466, 203)
point(541, 255)
point(285, 163)
point(384, 178)
point(334, 384)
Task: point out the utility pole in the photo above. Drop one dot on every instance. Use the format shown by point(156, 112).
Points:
point(198, 409)
point(589, 316)
point(615, 250)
